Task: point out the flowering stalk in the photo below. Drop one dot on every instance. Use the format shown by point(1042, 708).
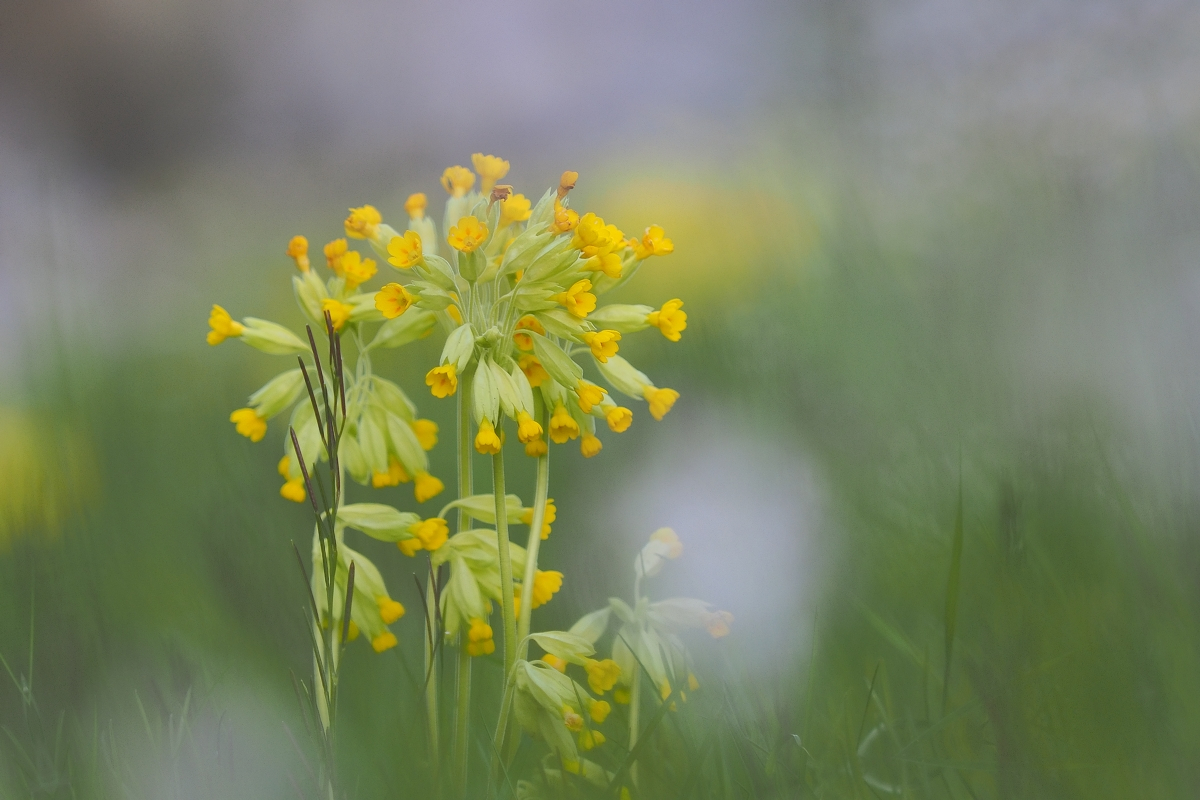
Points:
point(463, 696)
point(506, 578)
point(541, 493)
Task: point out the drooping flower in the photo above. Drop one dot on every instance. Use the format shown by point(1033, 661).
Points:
point(578, 299)
point(363, 223)
point(671, 319)
point(222, 326)
point(249, 424)
point(393, 300)
point(442, 381)
point(603, 344)
point(654, 242)
point(661, 401)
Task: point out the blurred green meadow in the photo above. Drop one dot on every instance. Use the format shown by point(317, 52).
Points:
point(936, 451)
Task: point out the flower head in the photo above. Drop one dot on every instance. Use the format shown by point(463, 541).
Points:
point(249, 424)
point(528, 428)
point(338, 311)
point(405, 251)
point(671, 319)
point(490, 169)
point(356, 269)
point(602, 675)
point(333, 255)
point(603, 344)
point(589, 394)
point(393, 300)
point(426, 431)
point(394, 476)
point(431, 533)
point(390, 610)
point(479, 639)
point(717, 623)
point(363, 223)
point(562, 425)
point(467, 235)
point(457, 180)
point(578, 299)
point(661, 400)
point(654, 242)
point(442, 381)
point(486, 440)
point(619, 418)
point(426, 487)
point(528, 323)
point(590, 445)
point(297, 250)
point(222, 326)
point(533, 369)
point(535, 448)
point(514, 208)
point(415, 205)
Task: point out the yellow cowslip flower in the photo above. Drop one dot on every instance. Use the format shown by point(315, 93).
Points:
point(603, 344)
point(693, 684)
point(415, 205)
point(619, 418)
point(622, 695)
point(393, 477)
point(455, 314)
point(567, 182)
point(559, 664)
point(356, 269)
point(427, 486)
point(608, 263)
point(467, 235)
point(717, 623)
point(670, 539)
point(384, 641)
point(572, 719)
point(442, 381)
point(653, 243)
point(363, 223)
point(545, 584)
point(565, 219)
point(486, 440)
point(333, 255)
point(457, 180)
point(490, 169)
point(339, 312)
point(224, 326)
point(671, 319)
point(578, 299)
point(548, 518)
point(590, 236)
point(535, 448)
point(664, 691)
point(426, 431)
point(293, 489)
point(589, 394)
point(528, 428)
point(590, 445)
point(524, 340)
point(249, 424)
point(562, 425)
point(405, 251)
point(410, 547)
point(599, 711)
point(660, 400)
point(514, 208)
point(431, 533)
point(590, 739)
point(389, 609)
point(351, 631)
point(479, 639)
point(602, 675)
point(297, 250)
point(533, 369)
point(393, 300)
point(284, 467)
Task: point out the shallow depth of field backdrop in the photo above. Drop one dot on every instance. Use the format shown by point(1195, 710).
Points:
point(942, 266)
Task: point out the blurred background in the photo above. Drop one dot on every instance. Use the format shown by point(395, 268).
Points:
point(941, 261)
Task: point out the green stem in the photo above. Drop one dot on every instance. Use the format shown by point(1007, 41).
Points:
point(540, 493)
point(635, 704)
point(431, 684)
point(463, 699)
point(506, 578)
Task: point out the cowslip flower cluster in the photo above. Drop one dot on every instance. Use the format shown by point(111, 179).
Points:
point(531, 356)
